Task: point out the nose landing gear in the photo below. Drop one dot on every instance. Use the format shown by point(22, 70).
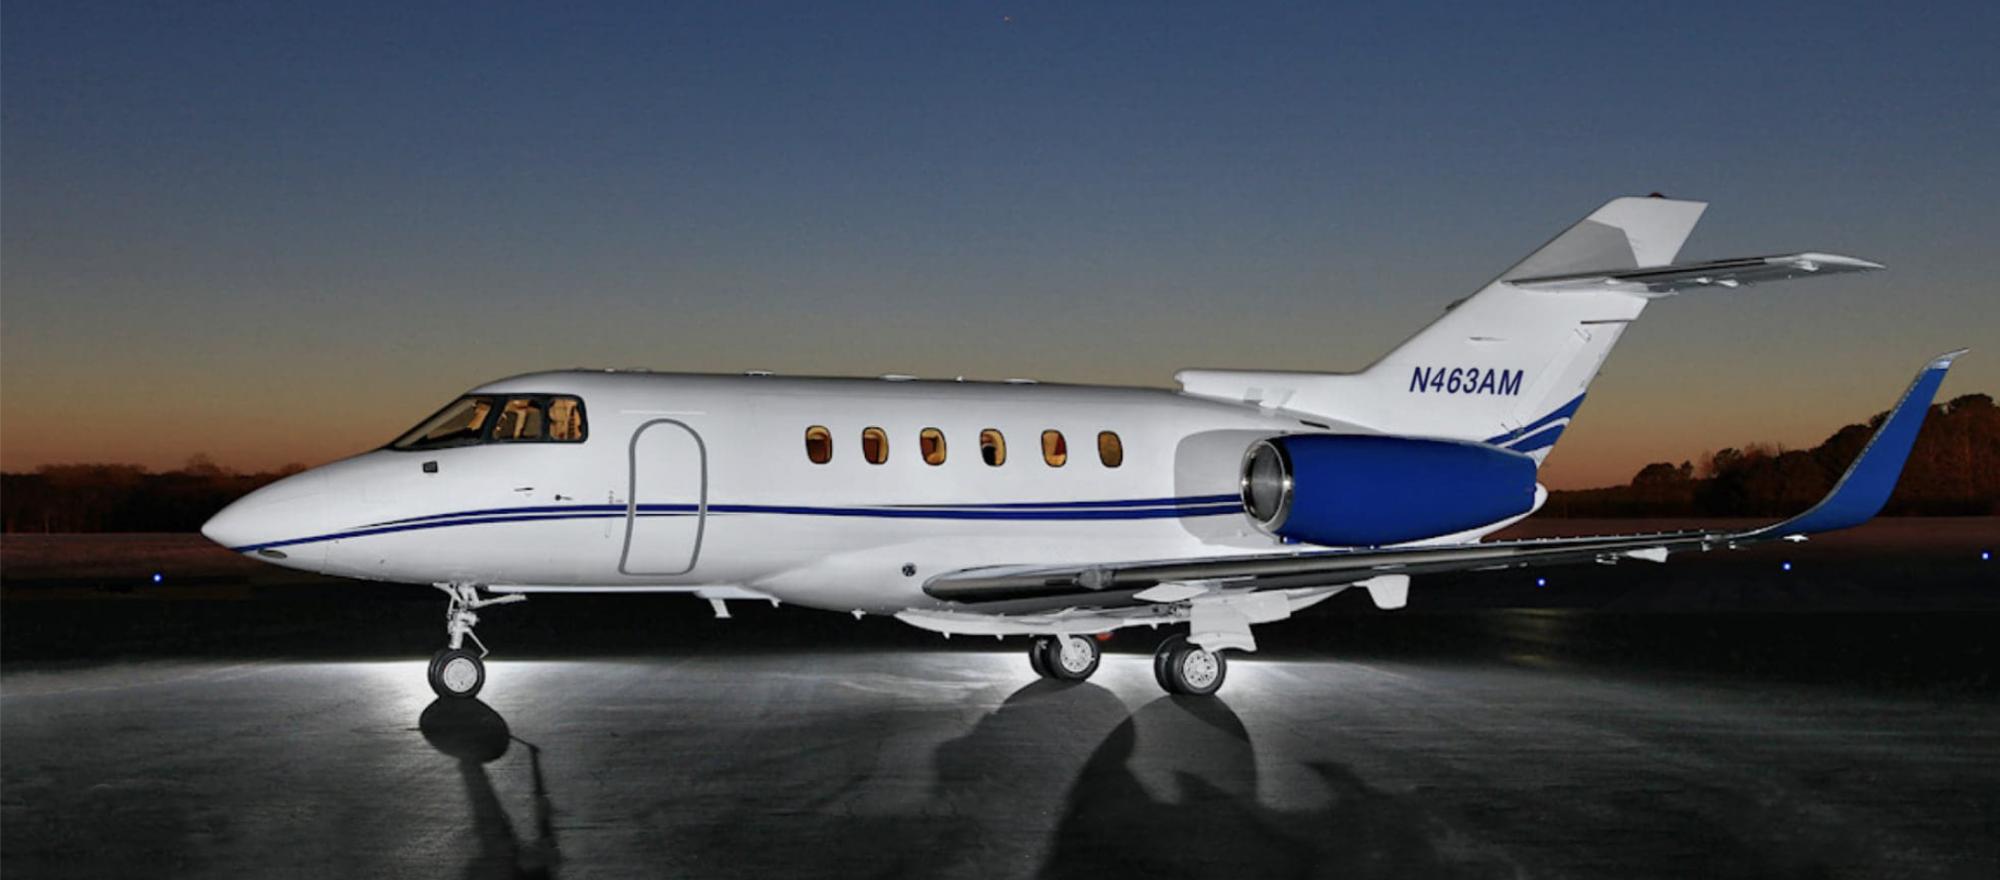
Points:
point(455, 671)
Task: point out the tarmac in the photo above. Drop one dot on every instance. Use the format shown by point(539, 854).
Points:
point(1726, 716)
point(725, 760)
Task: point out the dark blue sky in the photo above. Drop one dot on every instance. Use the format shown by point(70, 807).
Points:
point(285, 233)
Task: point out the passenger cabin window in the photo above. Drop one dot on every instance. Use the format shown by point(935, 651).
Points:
point(1055, 450)
point(875, 445)
point(993, 447)
point(819, 444)
point(1109, 449)
point(930, 442)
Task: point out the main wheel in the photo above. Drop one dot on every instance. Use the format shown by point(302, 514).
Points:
point(457, 673)
point(1068, 658)
point(1185, 668)
point(1038, 656)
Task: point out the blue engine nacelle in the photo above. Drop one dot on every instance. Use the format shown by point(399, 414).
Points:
point(1348, 490)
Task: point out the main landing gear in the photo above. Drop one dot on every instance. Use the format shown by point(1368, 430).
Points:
point(1180, 666)
point(455, 671)
point(1064, 657)
point(1183, 667)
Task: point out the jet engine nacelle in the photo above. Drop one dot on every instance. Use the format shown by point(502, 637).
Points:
point(1351, 490)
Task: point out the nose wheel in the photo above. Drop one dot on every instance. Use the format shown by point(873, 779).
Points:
point(1183, 667)
point(1064, 657)
point(457, 671)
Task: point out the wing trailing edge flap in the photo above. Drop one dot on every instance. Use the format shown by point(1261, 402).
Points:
point(1385, 572)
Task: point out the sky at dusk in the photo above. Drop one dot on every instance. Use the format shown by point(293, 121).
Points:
point(278, 233)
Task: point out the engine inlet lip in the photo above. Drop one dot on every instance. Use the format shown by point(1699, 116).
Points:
point(1268, 525)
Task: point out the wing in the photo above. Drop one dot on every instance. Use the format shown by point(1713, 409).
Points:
point(1662, 280)
point(1096, 590)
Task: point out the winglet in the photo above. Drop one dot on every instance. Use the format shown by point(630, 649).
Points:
point(1865, 487)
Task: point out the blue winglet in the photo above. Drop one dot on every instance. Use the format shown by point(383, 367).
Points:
point(1865, 487)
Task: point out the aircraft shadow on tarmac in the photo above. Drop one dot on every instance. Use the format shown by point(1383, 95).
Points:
point(1168, 790)
point(1060, 780)
point(1118, 821)
point(471, 732)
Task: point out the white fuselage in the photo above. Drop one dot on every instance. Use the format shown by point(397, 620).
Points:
point(704, 483)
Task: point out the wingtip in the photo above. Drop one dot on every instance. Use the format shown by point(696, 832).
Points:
point(1944, 360)
point(1867, 483)
point(1844, 261)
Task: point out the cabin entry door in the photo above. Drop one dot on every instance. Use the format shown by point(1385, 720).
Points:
point(666, 500)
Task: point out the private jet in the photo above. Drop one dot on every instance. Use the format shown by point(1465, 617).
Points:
point(1052, 512)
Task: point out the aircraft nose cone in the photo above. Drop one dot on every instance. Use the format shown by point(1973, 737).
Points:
point(239, 525)
point(277, 512)
point(229, 526)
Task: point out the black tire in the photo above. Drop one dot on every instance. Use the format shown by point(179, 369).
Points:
point(1183, 668)
point(1160, 657)
point(448, 668)
point(1038, 656)
point(1053, 659)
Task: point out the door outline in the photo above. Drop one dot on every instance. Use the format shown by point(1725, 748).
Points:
point(632, 497)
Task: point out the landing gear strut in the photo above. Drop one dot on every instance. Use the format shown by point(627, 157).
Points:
point(1064, 657)
point(1183, 667)
point(455, 671)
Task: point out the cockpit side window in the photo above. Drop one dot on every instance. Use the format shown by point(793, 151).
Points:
point(520, 419)
point(565, 419)
point(529, 418)
point(484, 418)
point(459, 424)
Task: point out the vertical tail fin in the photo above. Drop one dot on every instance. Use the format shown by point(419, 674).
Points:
point(1507, 365)
point(1510, 366)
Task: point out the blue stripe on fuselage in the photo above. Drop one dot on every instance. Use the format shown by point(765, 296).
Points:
point(1205, 505)
point(1122, 504)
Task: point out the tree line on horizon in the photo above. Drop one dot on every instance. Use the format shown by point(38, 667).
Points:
point(124, 497)
point(1954, 470)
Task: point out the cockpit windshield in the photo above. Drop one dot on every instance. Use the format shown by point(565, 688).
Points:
point(499, 419)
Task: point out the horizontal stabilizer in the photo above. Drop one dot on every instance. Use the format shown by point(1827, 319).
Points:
point(1694, 276)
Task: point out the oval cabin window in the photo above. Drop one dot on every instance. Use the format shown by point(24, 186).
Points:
point(819, 444)
point(993, 447)
point(931, 444)
point(1055, 450)
point(875, 445)
point(1109, 449)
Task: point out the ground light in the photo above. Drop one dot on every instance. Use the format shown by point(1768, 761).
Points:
point(157, 577)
